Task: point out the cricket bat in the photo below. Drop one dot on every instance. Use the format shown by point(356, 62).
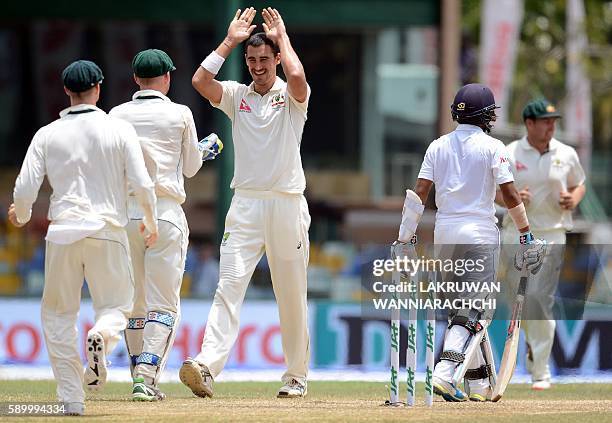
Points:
point(508, 362)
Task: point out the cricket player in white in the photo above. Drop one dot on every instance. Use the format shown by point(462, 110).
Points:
point(466, 166)
point(169, 143)
point(268, 211)
point(89, 158)
point(550, 180)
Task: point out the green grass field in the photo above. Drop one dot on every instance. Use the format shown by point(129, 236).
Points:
point(326, 401)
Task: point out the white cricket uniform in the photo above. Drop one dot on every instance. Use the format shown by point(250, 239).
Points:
point(169, 144)
point(268, 215)
point(546, 175)
point(466, 167)
point(88, 158)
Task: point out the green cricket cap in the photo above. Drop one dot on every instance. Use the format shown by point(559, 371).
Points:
point(539, 109)
point(152, 63)
point(81, 75)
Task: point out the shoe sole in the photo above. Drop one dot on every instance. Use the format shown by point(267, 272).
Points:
point(95, 374)
point(143, 398)
point(73, 409)
point(290, 396)
point(192, 378)
point(477, 398)
point(443, 392)
point(279, 395)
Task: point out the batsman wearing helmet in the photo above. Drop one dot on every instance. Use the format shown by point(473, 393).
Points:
point(466, 166)
point(88, 158)
point(169, 143)
point(268, 213)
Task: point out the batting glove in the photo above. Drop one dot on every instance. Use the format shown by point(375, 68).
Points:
point(531, 253)
point(210, 147)
point(404, 249)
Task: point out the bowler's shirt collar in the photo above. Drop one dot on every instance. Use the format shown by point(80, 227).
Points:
point(149, 95)
point(78, 109)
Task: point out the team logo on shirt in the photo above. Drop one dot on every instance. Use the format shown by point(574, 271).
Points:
point(520, 166)
point(503, 159)
point(278, 101)
point(244, 107)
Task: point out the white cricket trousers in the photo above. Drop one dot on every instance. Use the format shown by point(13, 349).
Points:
point(158, 276)
point(539, 301)
point(261, 222)
point(103, 260)
point(446, 235)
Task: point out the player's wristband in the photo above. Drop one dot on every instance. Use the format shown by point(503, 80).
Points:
point(526, 238)
point(213, 62)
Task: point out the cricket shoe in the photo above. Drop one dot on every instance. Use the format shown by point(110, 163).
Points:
point(293, 389)
point(541, 385)
point(479, 393)
point(196, 377)
point(143, 392)
point(74, 409)
point(448, 391)
point(477, 396)
point(95, 372)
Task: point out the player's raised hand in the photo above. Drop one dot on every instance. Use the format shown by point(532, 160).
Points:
point(240, 27)
point(12, 216)
point(273, 24)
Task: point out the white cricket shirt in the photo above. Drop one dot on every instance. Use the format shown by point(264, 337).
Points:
point(168, 139)
point(546, 175)
point(86, 155)
point(267, 133)
point(466, 166)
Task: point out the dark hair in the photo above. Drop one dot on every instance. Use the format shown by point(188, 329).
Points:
point(474, 120)
point(483, 119)
point(258, 39)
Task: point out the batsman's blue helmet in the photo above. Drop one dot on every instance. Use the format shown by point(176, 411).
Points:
point(474, 104)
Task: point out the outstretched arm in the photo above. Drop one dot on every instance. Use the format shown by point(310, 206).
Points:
point(292, 67)
point(203, 80)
